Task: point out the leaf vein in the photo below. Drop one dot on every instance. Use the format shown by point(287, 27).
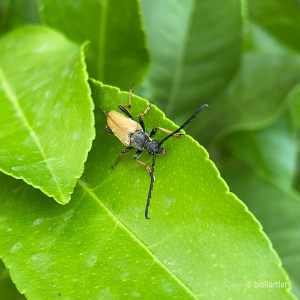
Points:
point(135, 238)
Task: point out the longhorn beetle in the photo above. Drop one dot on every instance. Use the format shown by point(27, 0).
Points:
point(133, 135)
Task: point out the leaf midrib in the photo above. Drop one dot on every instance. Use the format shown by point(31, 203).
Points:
point(135, 238)
point(11, 95)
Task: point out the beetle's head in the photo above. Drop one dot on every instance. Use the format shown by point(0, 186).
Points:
point(155, 148)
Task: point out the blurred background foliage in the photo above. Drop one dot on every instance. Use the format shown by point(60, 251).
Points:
point(240, 57)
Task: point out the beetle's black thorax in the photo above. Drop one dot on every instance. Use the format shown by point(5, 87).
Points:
point(139, 140)
point(142, 141)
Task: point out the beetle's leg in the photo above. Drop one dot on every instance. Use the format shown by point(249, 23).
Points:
point(169, 132)
point(123, 151)
point(136, 156)
point(129, 100)
point(141, 121)
point(108, 130)
point(140, 116)
point(125, 111)
point(153, 132)
point(148, 107)
point(143, 114)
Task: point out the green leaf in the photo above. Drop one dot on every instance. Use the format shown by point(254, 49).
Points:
point(280, 18)
point(101, 246)
point(255, 96)
point(277, 209)
point(46, 118)
point(195, 46)
point(116, 53)
point(7, 288)
point(272, 151)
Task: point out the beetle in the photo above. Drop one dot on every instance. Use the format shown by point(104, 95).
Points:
point(133, 135)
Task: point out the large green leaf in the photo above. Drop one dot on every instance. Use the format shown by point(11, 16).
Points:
point(101, 246)
point(278, 210)
point(195, 47)
point(46, 117)
point(77, 251)
point(116, 53)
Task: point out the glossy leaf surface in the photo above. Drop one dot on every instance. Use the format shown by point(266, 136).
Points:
point(107, 247)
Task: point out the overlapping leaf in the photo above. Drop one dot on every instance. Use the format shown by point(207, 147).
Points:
point(46, 117)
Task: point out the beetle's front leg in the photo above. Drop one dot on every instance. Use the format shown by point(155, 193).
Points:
point(136, 156)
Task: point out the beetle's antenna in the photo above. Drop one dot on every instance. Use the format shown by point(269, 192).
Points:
point(202, 107)
point(151, 187)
